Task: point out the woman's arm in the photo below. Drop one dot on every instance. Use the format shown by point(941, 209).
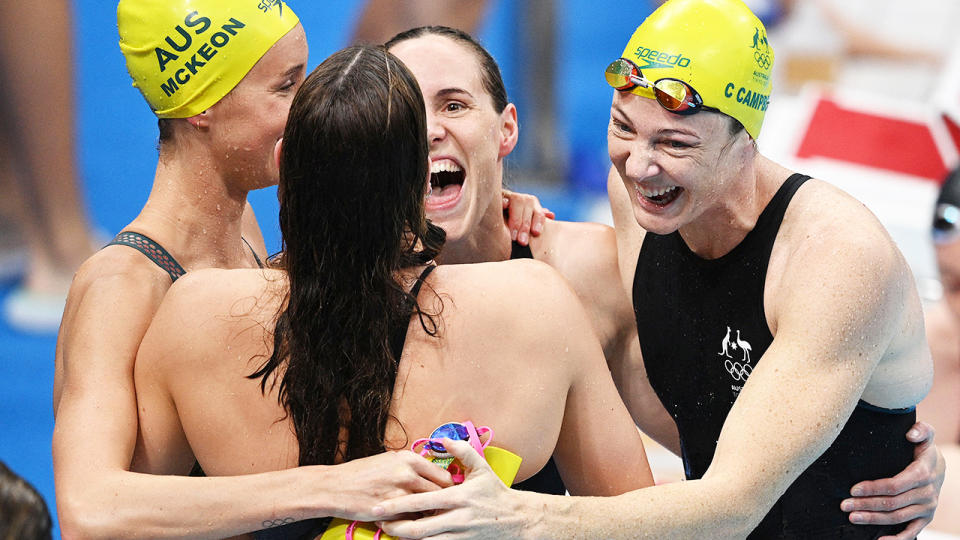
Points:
point(599, 451)
point(832, 331)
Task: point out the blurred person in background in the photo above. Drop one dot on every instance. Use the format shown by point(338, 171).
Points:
point(381, 19)
point(23, 512)
point(42, 210)
point(941, 407)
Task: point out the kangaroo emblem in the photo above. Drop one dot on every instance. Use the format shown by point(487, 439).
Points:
point(726, 344)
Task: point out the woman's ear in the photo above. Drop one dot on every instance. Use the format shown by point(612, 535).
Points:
point(200, 121)
point(278, 151)
point(509, 130)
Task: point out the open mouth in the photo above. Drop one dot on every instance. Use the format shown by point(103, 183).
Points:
point(446, 181)
point(660, 196)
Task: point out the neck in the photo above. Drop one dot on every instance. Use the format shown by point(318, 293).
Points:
point(489, 241)
point(738, 206)
point(195, 213)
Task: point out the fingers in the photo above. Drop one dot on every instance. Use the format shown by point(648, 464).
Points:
point(525, 216)
point(426, 527)
point(435, 476)
point(539, 218)
point(909, 533)
point(470, 458)
point(418, 502)
point(915, 475)
point(523, 233)
point(921, 432)
point(901, 515)
point(922, 500)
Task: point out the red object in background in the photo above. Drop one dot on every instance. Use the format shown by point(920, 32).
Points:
point(953, 129)
point(874, 140)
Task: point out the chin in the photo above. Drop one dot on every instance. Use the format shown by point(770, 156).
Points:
point(453, 226)
point(655, 224)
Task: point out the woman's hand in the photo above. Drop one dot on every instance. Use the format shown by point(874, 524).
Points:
point(358, 485)
point(482, 507)
point(910, 496)
point(525, 216)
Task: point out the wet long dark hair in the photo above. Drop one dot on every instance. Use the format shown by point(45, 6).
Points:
point(353, 176)
point(491, 78)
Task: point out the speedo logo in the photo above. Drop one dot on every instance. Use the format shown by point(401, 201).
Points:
point(659, 59)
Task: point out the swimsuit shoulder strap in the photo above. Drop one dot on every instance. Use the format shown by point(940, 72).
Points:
point(152, 250)
point(399, 336)
point(254, 253)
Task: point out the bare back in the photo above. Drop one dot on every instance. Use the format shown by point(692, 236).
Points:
point(537, 377)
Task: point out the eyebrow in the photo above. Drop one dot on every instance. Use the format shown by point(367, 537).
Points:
point(449, 91)
point(294, 70)
point(660, 132)
point(669, 131)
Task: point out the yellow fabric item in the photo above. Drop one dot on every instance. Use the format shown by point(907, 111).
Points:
point(718, 47)
point(186, 55)
point(503, 462)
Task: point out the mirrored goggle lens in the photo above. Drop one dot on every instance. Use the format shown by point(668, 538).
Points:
point(620, 74)
point(674, 95)
point(671, 94)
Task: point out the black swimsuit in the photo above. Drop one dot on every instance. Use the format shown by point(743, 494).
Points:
point(703, 328)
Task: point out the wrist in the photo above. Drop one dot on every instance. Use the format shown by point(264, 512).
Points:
point(317, 490)
point(539, 515)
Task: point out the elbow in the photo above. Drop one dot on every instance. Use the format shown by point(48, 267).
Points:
point(743, 508)
point(81, 518)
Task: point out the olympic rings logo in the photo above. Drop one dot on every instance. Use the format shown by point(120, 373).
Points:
point(271, 523)
point(763, 60)
point(738, 371)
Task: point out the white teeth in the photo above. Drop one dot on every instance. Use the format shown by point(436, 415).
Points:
point(444, 165)
point(655, 192)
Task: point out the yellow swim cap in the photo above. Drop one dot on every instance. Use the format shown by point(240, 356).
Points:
point(185, 55)
point(718, 47)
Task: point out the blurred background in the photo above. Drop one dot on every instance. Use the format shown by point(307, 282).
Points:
point(866, 95)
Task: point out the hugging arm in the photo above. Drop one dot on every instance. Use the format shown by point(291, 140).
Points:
point(525, 215)
point(773, 432)
point(910, 496)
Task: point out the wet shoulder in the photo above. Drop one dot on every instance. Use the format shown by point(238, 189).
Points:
point(228, 294)
point(501, 286)
point(820, 210)
point(116, 274)
point(582, 252)
point(569, 239)
point(209, 312)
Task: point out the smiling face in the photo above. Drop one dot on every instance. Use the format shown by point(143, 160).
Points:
point(677, 169)
point(247, 123)
point(468, 137)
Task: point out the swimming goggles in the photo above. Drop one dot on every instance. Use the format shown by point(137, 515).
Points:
point(946, 223)
point(673, 95)
point(432, 448)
